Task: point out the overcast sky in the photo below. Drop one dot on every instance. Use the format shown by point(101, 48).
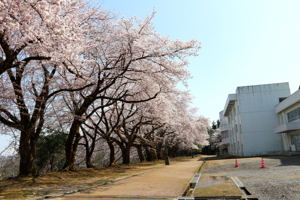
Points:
point(243, 42)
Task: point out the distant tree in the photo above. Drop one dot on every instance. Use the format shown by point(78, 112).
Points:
point(213, 139)
point(214, 125)
point(218, 123)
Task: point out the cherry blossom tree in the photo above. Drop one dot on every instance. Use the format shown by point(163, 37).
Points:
point(125, 55)
point(161, 123)
point(66, 66)
point(40, 42)
point(177, 125)
point(41, 30)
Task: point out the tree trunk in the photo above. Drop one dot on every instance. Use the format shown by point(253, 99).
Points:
point(27, 154)
point(140, 153)
point(166, 151)
point(111, 153)
point(88, 161)
point(89, 150)
point(126, 155)
point(166, 155)
point(74, 135)
point(150, 154)
point(52, 164)
point(71, 146)
point(158, 152)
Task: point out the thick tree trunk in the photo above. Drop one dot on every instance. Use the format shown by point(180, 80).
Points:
point(126, 155)
point(140, 153)
point(158, 152)
point(150, 154)
point(166, 151)
point(71, 146)
point(88, 161)
point(166, 155)
point(74, 135)
point(111, 153)
point(89, 150)
point(27, 154)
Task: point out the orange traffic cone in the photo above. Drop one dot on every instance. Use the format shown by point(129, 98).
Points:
point(262, 163)
point(236, 163)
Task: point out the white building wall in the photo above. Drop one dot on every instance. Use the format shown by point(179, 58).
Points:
point(258, 117)
point(252, 119)
point(234, 132)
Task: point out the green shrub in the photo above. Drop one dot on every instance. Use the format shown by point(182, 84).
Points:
point(50, 151)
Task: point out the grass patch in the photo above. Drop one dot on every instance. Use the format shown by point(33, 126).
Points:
point(217, 186)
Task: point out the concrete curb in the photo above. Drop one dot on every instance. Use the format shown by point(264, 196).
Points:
point(237, 182)
point(188, 186)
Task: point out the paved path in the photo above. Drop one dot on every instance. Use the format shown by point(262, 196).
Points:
point(163, 183)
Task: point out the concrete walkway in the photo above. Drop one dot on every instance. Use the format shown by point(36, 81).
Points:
point(168, 182)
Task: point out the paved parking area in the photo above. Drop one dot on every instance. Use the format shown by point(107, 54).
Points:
point(280, 180)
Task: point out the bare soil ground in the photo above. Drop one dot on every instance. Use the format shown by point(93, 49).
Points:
point(167, 182)
point(56, 184)
point(280, 180)
point(59, 183)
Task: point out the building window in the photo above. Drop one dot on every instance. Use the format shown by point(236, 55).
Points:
point(282, 99)
point(293, 115)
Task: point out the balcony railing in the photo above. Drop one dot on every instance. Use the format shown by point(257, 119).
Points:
point(288, 127)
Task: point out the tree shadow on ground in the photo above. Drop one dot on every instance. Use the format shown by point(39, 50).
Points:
point(287, 160)
point(215, 157)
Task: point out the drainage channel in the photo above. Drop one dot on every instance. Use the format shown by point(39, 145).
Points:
point(239, 184)
point(191, 187)
point(192, 184)
point(247, 194)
